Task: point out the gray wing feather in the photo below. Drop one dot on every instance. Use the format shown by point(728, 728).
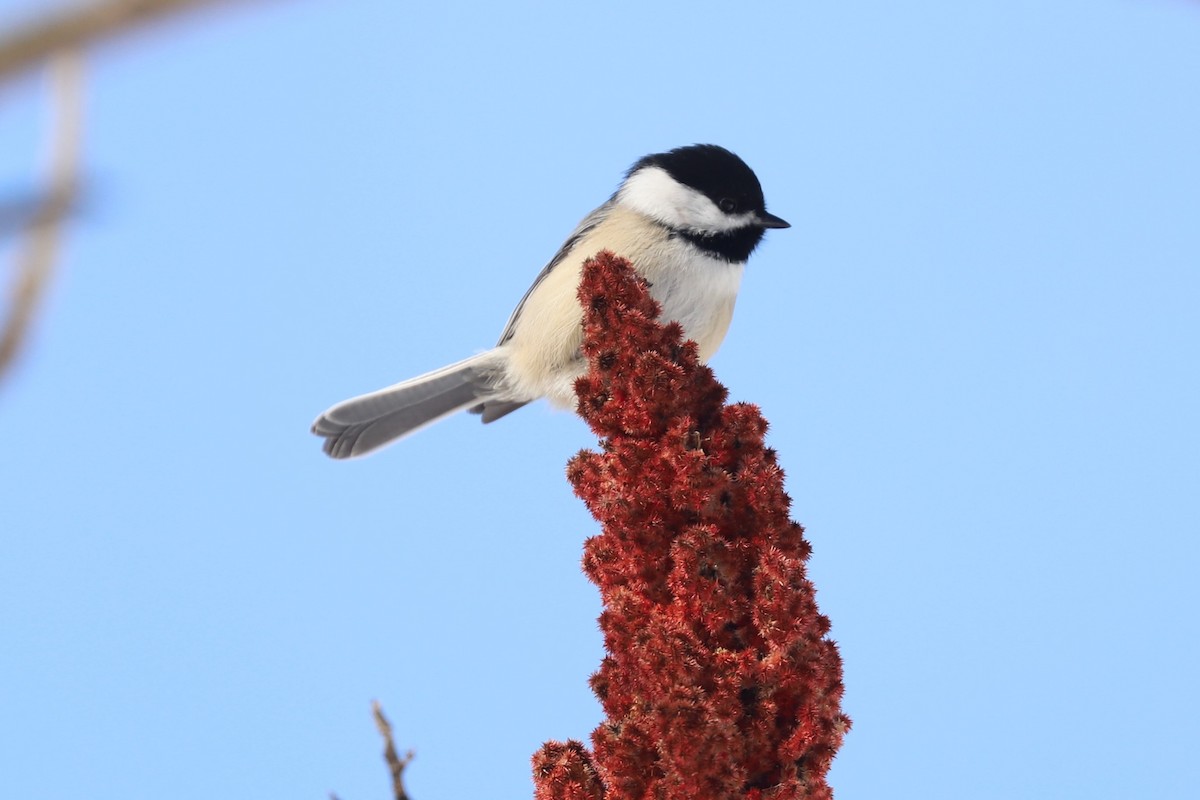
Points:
point(493, 410)
point(589, 222)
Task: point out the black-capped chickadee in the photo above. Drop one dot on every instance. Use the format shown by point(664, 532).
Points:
point(687, 219)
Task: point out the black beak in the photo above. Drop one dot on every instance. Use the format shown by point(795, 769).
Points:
point(771, 221)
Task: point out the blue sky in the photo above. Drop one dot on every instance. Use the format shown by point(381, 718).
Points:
point(977, 347)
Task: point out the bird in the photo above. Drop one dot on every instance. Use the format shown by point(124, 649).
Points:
point(687, 219)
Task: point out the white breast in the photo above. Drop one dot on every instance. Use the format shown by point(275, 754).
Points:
point(695, 290)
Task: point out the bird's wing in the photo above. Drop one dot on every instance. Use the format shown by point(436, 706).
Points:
point(586, 226)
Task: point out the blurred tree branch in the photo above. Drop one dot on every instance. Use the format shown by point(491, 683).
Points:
point(76, 27)
point(35, 255)
point(59, 37)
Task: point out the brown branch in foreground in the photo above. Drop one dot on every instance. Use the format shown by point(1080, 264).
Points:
point(77, 27)
point(35, 261)
point(395, 763)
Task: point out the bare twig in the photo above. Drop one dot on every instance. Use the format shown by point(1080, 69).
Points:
point(21, 213)
point(35, 261)
point(395, 763)
point(75, 28)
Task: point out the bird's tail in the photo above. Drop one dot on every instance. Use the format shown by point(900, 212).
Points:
point(359, 425)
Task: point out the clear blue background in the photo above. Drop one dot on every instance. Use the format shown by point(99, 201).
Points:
point(977, 347)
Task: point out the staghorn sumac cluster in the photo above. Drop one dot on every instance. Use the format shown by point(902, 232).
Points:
point(719, 681)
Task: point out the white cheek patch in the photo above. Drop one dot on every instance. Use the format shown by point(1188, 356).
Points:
point(656, 194)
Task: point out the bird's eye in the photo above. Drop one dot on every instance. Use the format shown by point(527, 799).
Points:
point(728, 205)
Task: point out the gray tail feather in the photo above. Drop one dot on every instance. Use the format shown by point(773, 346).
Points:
point(359, 425)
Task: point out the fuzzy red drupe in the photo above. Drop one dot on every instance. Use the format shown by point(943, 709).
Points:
point(719, 679)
